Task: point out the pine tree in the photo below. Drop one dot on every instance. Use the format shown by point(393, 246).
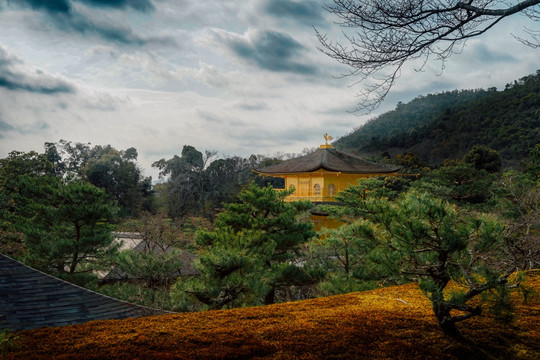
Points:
point(429, 241)
point(252, 250)
point(68, 231)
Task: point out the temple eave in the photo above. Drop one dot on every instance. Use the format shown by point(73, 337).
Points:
point(324, 171)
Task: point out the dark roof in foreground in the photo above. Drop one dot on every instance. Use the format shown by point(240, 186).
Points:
point(32, 299)
point(327, 159)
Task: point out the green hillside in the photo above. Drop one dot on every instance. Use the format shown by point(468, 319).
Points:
point(446, 125)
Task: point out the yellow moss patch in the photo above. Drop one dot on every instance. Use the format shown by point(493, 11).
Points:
point(390, 323)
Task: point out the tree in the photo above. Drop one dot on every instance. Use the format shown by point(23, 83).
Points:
point(155, 269)
point(118, 174)
point(344, 253)
point(482, 157)
point(225, 178)
point(55, 158)
point(351, 201)
point(437, 244)
point(252, 251)
point(387, 34)
point(69, 158)
point(16, 170)
point(532, 166)
point(197, 184)
point(461, 183)
point(274, 226)
point(229, 273)
point(346, 259)
point(144, 275)
point(18, 164)
point(433, 243)
point(519, 207)
point(187, 182)
point(67, 232)
point(159, 260)
point(115, 171)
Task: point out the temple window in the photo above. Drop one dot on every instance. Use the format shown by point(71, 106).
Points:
point(316, 189)
point(331, 190)
point(304, 188)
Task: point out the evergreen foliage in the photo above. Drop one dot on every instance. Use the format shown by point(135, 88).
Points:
point(16, 170)
point(348, 262)
point(153, 268)
point(68, 231)
point(518, 205)
point(252, 250)
point(469, 182)
point(461, 183)
point(418, 237)
point(484, 158)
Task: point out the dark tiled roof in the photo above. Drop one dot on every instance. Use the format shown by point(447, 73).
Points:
point(31, 299)
point(327, 159)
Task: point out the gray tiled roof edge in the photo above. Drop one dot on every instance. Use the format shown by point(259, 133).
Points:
point(30, 298)
point(327, 159)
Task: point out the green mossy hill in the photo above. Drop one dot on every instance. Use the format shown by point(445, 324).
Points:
point(447, 125)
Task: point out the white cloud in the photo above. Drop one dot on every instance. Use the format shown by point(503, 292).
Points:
point(240, 77)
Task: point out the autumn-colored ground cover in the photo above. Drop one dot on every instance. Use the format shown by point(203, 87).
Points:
point(389, 323)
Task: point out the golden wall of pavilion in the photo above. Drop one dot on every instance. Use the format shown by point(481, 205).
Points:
point(320, 185)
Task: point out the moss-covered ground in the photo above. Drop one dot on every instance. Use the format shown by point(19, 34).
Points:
point(389, 323)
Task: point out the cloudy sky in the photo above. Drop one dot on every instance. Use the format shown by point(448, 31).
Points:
point(237, 76)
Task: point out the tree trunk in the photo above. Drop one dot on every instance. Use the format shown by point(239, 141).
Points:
point(270, 297)
point(347, 262)
point(74, 262)
point(442, 312)
point(75, 255)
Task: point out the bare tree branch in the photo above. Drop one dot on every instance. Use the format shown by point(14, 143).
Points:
point(381, 36)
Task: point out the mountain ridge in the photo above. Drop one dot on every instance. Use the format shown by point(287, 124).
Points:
point(447, 125)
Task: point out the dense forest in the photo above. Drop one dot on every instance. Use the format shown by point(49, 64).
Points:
point(447, 125)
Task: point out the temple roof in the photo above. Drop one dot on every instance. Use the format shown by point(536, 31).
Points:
point(327, 158)
point(31, 299)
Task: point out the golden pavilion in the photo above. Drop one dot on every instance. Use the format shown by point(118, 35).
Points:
point(323, 173)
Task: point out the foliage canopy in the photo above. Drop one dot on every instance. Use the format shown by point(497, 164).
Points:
point(252, 250)
point(447, 125)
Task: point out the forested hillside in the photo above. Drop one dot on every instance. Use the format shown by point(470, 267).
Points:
point(446, 125)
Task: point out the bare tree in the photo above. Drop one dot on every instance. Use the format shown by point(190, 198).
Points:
point(382, 35)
